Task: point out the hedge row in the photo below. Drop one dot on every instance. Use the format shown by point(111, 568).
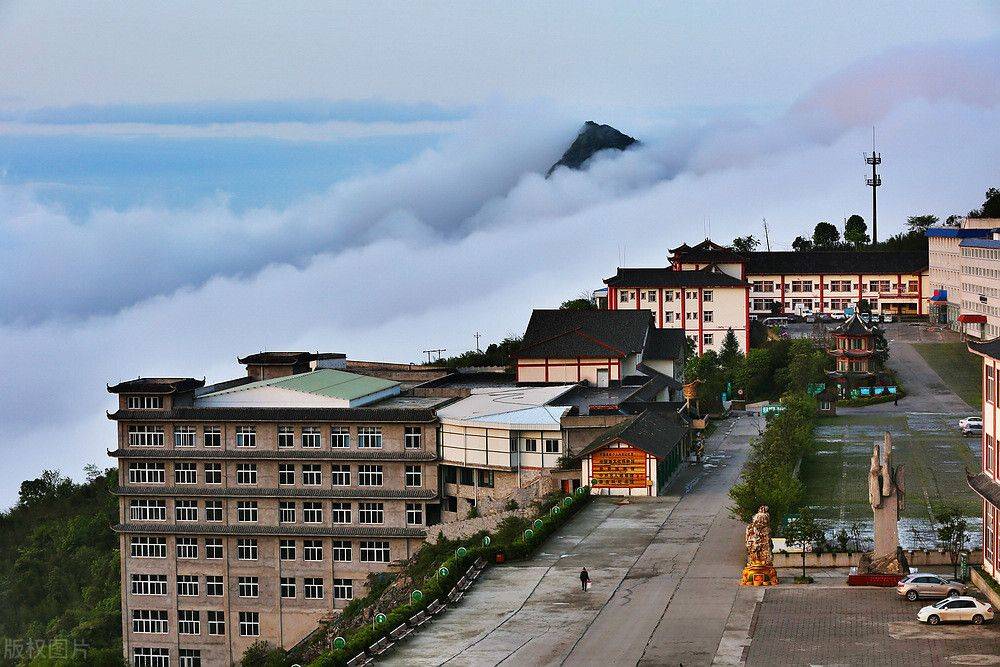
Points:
point(438, 586)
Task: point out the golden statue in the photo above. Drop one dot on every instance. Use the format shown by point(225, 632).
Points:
point(760, 561)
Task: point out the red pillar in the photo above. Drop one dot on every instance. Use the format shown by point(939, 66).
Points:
point(821, 292)
point(782, 309)
point(701, 323)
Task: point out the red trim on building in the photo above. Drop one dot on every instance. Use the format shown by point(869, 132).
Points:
point(920, 294)
point(546, 369)
point(701, 322)
point(782, 309)
point(899, 284)
point(659, 306)
point(684, 321)
point(821, 292)
point(860, 292)
point(746, 312)
point(612, 298)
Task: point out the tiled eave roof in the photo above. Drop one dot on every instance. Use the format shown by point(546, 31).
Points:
point(275, 454)
point(199, 491)
point(857, 354)
point(990, 348)
point(987, 488)
point(251, 530)
point(835, 262)
point(668, 277)
point(372, 414)
point(156, 386)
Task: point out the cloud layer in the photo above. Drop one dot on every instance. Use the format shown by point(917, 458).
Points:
point(464, 238)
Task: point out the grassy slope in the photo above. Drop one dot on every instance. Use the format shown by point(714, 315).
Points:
point(960, 369)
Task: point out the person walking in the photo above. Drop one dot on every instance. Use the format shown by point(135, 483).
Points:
point(584, 578)
point(895, 399)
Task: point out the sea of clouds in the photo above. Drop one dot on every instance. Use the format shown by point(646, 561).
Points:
point(467, 237)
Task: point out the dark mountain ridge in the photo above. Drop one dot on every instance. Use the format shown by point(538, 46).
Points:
point(593, 137)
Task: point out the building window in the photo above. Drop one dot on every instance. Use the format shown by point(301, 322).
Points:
point(450, 473)
point(341, 473)
point(486, 478)
point(248, 587)
point(530, 445)
point(286, 437)
point(840, 285)
point(879, 286)
point(288, 587)
point(286, 549)
point(213, 548)
point(286, 512)
point(246, 473)
point(341, 551)
point(184, 436)
point(622, 296)
point(341, 512)
point(187, 547)
point(246, 511)
point(668, 317)
point(286, 473)
point(149, 584)
point(311, 437)
point(186, 510)
point(802, 286)
point(146, 472)
point(706, 296)
point(185, 472)
point(148, 547)
point(213, 436)
point(138, 402)
point(413, 437)
point(370, 513)
point(369, 437)
point(989, 384)
point(190, 657)
point(414, 514)
point(213, 510)
point(188, 622)
point(216, 622)
point(246, 549)
point(246, 436)
point(692, 315)
point(343, 589)
point(312, 474)
point(414, 476)
point(141, 509)
point(149, 621)
point(369, 475)
point(313, 587)
point(709, 315)
point(213, 473)
point(312, 550)
point(551, 446)
point(708, 339)
point(374, 552)
point(668, 295)
point(145, 435)
point(312, 512)
point(340, 437)
point(214, 585)
point(150, 657)
point(187, 585)
point(451, 503)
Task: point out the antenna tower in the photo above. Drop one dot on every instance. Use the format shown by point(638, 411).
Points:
point(874, 182)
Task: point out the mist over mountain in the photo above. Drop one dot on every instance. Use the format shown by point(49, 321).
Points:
point(591, 139)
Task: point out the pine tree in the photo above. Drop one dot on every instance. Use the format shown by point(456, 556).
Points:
point(730, 352)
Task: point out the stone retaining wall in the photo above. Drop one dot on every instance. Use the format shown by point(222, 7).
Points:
point(916, 558)
point(467, 527)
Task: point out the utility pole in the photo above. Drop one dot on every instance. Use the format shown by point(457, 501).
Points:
point(438, 352)
point(767, 238)
point(478, 335)
point(874, 160)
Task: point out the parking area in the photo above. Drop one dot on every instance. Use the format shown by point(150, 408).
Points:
point(840, 625)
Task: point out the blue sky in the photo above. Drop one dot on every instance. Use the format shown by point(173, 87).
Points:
point(181, 183)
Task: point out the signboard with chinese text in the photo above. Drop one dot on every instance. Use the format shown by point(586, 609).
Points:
point(619, 468)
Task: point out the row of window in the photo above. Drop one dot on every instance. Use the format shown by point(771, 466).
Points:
point(151, 546)
point(154, 621)
point(668, 295)
point(246, 587)
point(768, 286)
point(311, 437)
point(248, 511)
point(992, 384)
point(310, 474)
point(835, 304)
point(144, 656)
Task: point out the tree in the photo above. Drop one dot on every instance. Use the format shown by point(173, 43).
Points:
point(580, 303)
point(952, 530)
point(805, 531)
point(856, 231)
point(263, 654)
point(802, 244)
point(745, 244)
point(990, 208)
point(730, 354)
point(920, 223)
point(825, 236)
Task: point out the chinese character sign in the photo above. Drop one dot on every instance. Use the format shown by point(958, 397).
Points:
point(623, 468)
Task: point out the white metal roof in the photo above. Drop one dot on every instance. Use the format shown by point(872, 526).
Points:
point(513, 407)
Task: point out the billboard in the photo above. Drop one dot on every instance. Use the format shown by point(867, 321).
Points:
point(619, 468)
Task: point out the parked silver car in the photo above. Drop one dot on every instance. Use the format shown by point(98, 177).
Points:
point(926, 585)
point(957, 609)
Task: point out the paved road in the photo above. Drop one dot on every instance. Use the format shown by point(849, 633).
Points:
point(666, 573)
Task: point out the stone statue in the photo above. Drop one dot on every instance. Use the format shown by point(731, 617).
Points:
point(886, 496)
point(760, 560)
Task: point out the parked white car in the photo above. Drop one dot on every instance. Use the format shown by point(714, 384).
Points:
point(957, 609)
point(971, 422)
point(887, 318)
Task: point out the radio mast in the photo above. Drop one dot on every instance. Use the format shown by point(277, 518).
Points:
point(874, 182)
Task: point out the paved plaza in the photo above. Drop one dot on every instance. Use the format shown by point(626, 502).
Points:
point(818, 625)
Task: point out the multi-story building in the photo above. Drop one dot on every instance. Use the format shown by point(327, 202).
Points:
point(253, 508)
point(981, 286)
point(709, 289)
point(987, 483)
point(854, 352)
point(948, 277)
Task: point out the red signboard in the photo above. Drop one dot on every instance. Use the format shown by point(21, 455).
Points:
point(619, 468)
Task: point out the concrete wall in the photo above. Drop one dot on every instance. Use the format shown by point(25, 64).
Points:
point(916, 558)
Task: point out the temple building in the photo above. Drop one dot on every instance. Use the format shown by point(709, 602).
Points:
point(854, 349)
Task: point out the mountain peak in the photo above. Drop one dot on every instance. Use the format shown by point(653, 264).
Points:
point(593, 137)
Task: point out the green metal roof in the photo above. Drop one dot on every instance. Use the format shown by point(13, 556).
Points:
point(323, 382)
